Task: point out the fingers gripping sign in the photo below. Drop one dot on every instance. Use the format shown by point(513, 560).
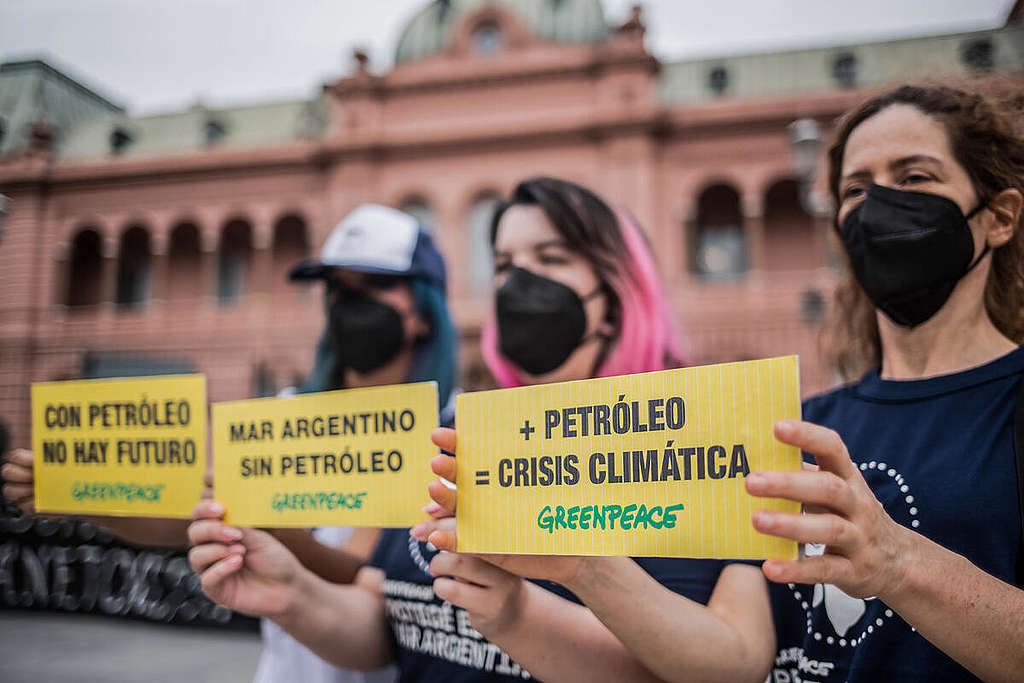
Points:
point(443, 465)
point(18, 475)
point(441, 531)
point(865, 549)
point(243, 569)
point(489, 594)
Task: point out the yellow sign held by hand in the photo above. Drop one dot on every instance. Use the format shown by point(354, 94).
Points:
point(358, 457)
point(645, 465)
point(132, 447)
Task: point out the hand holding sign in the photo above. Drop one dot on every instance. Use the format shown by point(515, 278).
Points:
point(443, 465)
point(246, 570)
point(491, 595)
point(19, 477)
point(442, 532)
point(866, 552)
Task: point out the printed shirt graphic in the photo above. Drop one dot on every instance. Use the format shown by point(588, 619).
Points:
point(938, 454)
point(434, 641)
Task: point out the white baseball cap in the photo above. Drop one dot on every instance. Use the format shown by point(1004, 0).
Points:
point(376, 239)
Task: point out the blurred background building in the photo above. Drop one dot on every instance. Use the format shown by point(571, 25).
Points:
point(133, 245)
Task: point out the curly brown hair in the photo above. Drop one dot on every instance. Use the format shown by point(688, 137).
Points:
point(985, 137)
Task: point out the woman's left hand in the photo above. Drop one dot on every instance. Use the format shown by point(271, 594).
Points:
point(18, 474)
point(491, 595)
point(866, 552)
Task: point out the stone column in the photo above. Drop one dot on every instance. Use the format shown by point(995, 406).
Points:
point(158, 268)
point(684, 220)
point(61, 271)
point(108, 288)
point(260, 280)
point(753, 226)
point(208, 267)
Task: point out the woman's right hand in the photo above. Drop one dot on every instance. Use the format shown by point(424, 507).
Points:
point(246, 570)
point(441, 531)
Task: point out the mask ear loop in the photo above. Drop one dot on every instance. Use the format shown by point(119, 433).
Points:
point(978, 260)
point(971, 214)
point(596, 334)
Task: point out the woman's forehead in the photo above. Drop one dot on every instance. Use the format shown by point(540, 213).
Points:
point(898, 131)
point(524, 227)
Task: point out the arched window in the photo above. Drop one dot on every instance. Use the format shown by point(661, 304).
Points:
point(978, 55)
point(788, 230)
point(291, 245)
point(214, 131)
point(120, 140)
point(418, 208)
point(718, 80)
point(720, 251)
point(133, 268)
point(233, 264)
point(488, 38)
point(184, 263)
point(479, 255)
point(85, 276)
point(844, 70)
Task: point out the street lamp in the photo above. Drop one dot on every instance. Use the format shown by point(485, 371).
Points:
point(805, 141)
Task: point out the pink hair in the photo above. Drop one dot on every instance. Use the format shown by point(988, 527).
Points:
point(648, 337)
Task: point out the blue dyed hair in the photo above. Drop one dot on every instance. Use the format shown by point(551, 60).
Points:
point(433, 357)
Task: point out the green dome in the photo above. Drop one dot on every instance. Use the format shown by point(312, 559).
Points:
point(563, 21)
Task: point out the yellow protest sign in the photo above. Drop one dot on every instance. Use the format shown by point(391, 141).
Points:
point(644, 465)
point(134, 447)
point(358, 457)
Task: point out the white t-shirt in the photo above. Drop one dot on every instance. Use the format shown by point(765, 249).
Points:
point(283, 659)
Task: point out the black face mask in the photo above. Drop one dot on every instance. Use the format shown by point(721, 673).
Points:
point(540, 321)
point(909, 250)
point(365, 333)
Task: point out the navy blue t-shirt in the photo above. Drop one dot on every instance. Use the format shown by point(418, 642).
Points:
point(433, 640)
point(938, 453)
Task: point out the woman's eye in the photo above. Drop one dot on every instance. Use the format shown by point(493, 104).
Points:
point(916, 178)
point(501, 266)
point(552, 259)
point(852, 192)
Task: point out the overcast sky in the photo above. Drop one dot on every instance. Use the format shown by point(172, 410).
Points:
point(160, 55)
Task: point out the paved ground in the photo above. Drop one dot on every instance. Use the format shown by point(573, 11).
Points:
point(41, 647)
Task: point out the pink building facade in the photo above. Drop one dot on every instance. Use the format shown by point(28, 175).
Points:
point(164, 241)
